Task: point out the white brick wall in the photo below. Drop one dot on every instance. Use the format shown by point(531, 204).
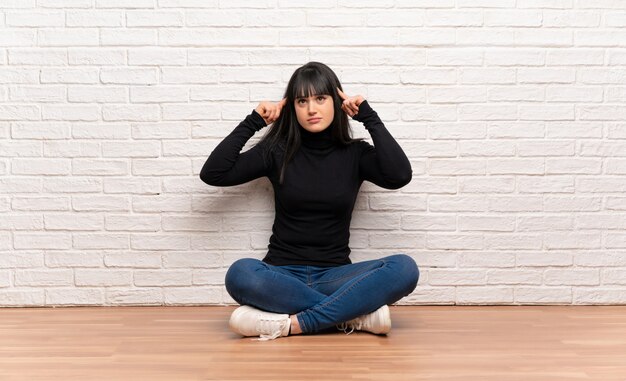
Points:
point(512, 113)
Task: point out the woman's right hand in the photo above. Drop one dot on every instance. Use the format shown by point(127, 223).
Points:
point(270, 111)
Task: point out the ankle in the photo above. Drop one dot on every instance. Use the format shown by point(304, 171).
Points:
point(295, 325)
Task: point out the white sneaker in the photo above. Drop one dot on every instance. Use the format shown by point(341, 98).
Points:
point(378, 322)
point(249, 321)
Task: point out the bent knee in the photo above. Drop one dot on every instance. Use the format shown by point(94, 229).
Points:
point(407, 271)
point(239, 273)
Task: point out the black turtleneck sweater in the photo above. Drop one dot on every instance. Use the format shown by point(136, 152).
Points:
point(315, 202)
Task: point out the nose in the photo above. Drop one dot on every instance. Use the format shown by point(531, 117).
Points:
point(311, 108)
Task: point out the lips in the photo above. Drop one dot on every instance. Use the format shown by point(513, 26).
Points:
point(314, 120)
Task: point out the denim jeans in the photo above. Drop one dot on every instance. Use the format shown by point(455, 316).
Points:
point(322, 297)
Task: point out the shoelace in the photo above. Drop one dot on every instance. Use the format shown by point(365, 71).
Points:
point(274, 327)
point(352, 325)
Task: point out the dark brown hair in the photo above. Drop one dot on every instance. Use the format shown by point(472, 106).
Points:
point(313, 78)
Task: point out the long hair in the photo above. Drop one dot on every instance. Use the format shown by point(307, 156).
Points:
point(284, 133)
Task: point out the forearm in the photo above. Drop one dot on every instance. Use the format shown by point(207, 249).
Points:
point(221, 167)
point(391, 161)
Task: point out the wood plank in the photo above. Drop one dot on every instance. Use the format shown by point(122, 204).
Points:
point(426, 343)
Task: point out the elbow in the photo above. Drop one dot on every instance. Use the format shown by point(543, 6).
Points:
point(399, 180)
point(406, 178)
point(209, 177)
point(405, 175)
point(403, 180)
point(205, 178)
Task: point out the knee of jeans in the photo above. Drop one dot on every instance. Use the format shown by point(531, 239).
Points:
point(237, 275)
point(407, 271)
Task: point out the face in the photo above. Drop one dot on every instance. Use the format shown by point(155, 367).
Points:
point(315, 113)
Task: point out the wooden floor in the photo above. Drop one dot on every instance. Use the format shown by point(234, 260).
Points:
point(502, 343)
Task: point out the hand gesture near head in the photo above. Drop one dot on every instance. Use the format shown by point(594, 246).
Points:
point(270, 111)
point(350, 104)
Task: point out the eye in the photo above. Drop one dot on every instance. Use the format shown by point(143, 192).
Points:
point(321, 97)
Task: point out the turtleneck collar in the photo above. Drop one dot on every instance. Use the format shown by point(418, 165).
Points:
point(317, 140)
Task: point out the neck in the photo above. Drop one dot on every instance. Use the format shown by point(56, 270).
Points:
point(317, 140)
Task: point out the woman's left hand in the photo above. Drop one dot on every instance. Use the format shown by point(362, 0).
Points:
point(350, 104)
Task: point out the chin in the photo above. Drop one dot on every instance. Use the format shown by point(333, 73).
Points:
point(316, 128)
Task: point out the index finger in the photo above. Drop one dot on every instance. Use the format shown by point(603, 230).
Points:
point(341, 94)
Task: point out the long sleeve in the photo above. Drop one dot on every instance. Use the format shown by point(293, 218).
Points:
point(227, 166)
point(384, 164)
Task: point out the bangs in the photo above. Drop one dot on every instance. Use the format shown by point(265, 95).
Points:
point(309, 83)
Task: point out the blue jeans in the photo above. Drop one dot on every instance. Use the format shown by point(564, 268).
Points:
point(322, 297)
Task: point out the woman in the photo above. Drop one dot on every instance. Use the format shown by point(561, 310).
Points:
point(306, 283)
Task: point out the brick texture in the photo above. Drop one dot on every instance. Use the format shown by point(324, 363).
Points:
point(513, 114)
